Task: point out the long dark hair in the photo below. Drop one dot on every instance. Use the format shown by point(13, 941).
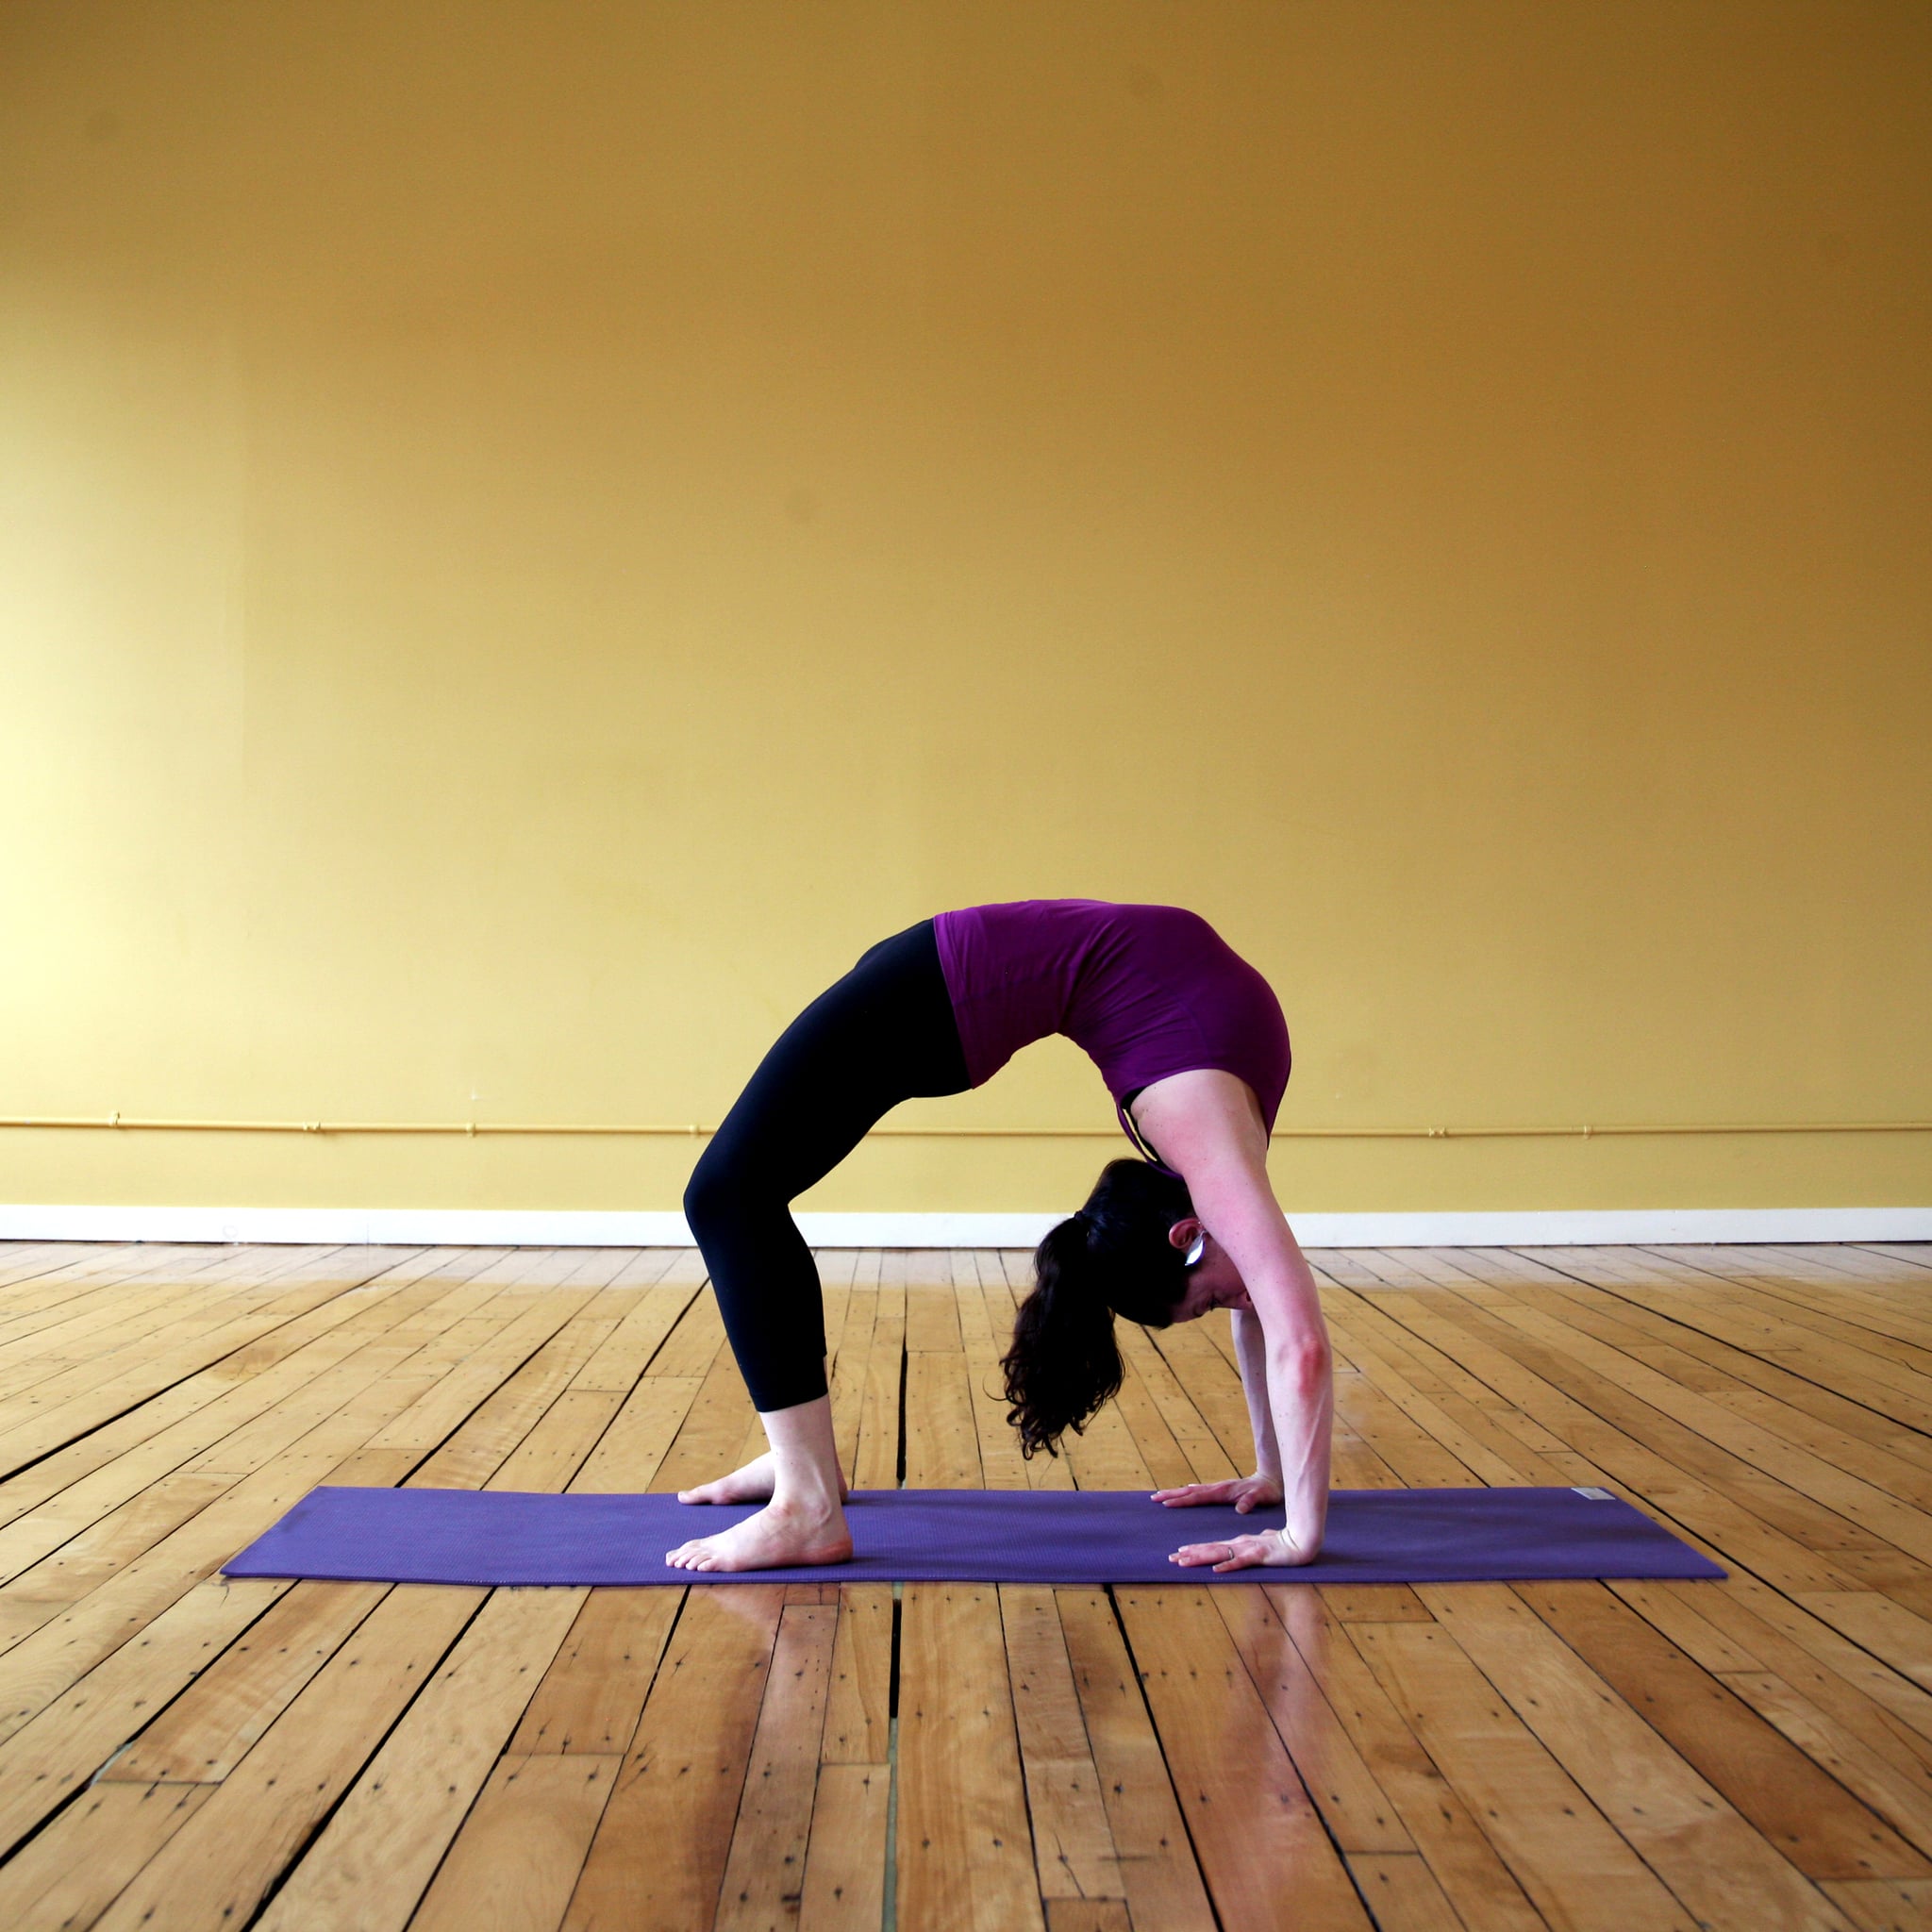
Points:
point(1113, 1257)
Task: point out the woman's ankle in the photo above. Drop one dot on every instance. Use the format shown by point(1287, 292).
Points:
point(809, 1502)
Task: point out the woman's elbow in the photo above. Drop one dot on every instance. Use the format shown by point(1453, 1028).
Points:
point(1303, 1365)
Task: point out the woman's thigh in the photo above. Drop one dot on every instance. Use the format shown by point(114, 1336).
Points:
point(882, 1034)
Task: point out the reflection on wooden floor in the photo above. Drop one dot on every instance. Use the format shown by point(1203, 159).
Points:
point(180, 1752)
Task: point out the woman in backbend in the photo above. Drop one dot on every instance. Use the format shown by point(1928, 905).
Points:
point(1191, 1044)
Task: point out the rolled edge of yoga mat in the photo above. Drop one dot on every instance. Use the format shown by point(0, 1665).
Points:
point(514, 1537)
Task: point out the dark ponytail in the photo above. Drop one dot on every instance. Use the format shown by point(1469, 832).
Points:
point(1111, 1258)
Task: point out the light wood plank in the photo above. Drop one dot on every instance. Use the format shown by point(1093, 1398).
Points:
point(1164, 1886)
point(631, 1453)
point(941, 1439)
point(1357, 1812)
point(515, 1862)
point(1072, 1843)
point(713, 1436)
point(657, 1859)
point(965, 1860)
point(694, 1342)
point(1250, 1818)
point(206, 1732)
point(1885, 1904)
point(1807, 1814)
point(932, 1317)
point(479, 1446)
point(859, 1699)
point(376, 1856)
point(848, 1374)
point(1401, 1892)
point(1088, 1915)
point(1167, 1463)
point(555, 1450)
point(764, 1871)
point(1571, 1862)
point(1444, 1828)
point(626, 1353)
point(449, 1403)
point(74, 1869)
point(1699, 1844)
point(845, 1869)
point(1206, 1460)
point(876, 1457)
point(221, 1864)
point(595, 1691)
point(339, 1348)
point(69, 1404)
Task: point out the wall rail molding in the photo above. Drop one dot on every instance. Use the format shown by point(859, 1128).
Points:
point(544, 1227)
point(119, 1123)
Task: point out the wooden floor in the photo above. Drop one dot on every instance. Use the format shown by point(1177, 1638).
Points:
point(180, 1752)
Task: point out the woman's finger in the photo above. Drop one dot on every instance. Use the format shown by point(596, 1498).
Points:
point(1192, 1556)
point(1243, 1554)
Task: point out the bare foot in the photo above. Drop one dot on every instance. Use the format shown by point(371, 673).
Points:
point(771, 1539)
point(751, 1484)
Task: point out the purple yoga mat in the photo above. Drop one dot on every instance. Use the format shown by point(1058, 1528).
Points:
point(983, 1535)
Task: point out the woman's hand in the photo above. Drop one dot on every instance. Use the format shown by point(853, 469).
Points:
point(1246, 1492)
point(1243, 1553)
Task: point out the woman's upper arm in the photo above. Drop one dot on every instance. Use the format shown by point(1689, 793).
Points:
point(1208, 1128)
point(1240, 1211)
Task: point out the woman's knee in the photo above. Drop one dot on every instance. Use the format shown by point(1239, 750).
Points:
point(709, 1196)
point(726, 1193)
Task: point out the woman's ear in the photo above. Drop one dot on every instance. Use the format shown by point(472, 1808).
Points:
point(1184, 1234)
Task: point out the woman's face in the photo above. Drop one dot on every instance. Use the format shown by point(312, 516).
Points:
point(1213, 1282)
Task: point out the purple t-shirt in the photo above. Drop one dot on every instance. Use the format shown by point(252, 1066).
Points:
point(1145, 991)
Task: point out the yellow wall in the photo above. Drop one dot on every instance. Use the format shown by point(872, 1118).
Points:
point(529, 534)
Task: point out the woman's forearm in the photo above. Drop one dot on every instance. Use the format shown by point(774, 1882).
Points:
point(1290, 1409)
point(1302, 1396)
point(1251, 1354)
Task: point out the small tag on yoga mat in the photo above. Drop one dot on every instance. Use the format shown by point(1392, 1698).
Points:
point(492, 1537)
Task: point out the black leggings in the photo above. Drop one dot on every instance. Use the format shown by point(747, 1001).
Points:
point(883, 1034)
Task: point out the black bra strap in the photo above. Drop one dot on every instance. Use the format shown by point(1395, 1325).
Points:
point(1134, 1135)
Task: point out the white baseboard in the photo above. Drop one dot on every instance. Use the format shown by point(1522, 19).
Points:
point(1574, 1227)
point(544, 1229)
